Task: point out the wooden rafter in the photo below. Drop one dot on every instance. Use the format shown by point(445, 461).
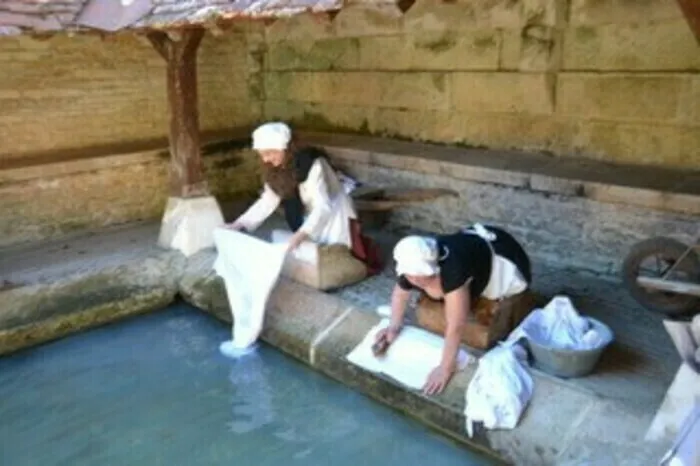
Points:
point(691, 11)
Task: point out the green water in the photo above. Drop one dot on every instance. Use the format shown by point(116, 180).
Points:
point(154, 390)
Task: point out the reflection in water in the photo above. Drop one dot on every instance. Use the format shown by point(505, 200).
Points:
point(256, 397)
point(252, 395)
point(155, 390)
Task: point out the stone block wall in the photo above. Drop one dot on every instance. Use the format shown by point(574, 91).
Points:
point(84, 125)
point(604, 79)
point(56, 199)
point(64, 93)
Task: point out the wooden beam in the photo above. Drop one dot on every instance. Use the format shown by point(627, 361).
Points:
point(186, 172)
point(691, 11)
point(658, 284)
point(159, 41)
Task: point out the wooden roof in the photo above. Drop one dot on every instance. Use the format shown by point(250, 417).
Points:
point(18, 16)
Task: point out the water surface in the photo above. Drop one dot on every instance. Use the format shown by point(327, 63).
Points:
point(154, 390)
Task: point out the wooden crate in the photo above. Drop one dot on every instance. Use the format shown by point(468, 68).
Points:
point(488, 323)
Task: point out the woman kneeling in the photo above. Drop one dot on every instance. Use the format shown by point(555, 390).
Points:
point(459, 268)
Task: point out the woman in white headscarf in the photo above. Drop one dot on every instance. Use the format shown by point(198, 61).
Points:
point(302, 181)
point(456, 269)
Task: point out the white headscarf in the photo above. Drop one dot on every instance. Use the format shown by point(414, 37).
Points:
point(274, 135)
point(416, 255)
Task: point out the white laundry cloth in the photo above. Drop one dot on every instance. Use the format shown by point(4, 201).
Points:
point(250, 268)
point(410, 358)
point(686, 449)
point(559, 326)
point(307, 251)
point(500, 390)
point(384, 310)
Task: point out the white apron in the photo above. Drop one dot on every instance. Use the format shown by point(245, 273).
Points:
point(506, 280)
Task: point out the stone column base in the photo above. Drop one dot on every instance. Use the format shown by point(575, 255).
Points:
point(489, 322)
point(188, 224)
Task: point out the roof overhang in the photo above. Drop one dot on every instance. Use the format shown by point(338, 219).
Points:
point(20, 16)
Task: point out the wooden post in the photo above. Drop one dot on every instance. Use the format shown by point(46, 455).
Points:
point(180, 52)
point(691, 11)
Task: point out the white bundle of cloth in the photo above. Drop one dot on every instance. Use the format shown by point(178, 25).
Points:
point(560, 326)
point(502, 386)
point(410, 358)
point(250, 268)
point(500, 390)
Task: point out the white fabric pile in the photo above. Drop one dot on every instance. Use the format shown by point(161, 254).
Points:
point(502, 387)
point(250, 268)
point(500, 390)
point(410, 358)
point(559, 326)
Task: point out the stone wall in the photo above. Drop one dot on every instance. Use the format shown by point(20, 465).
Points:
point(56, 199)
point(605, 79)
point(84, 124)
point(65, 93)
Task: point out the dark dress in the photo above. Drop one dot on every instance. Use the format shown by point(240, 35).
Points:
point(464, 256)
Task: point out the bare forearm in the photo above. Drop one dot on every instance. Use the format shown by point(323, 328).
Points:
point(399, 300)
point(457, 308)
point(453, 337)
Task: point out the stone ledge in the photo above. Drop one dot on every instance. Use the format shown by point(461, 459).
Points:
point(647, 187)
point(100, 158)
point(55, 289)
point(320, 330)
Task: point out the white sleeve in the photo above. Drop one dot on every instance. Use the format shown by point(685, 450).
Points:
point(260, 210)
point(322, 209)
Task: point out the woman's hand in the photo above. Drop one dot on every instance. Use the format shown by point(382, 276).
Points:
point(388, 334)
point(438, 380)
point(296, 240)
point(456, 310)
point(236, 226)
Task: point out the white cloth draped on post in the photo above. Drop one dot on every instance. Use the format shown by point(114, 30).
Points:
point(329, 207)
point(410, 358)
point(250, 268)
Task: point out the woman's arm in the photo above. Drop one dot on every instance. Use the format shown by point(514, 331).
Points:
point(259, 211)
point(457, 308)
point(399, 299)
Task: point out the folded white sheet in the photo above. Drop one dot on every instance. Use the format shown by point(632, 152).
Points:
point(409, 360)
